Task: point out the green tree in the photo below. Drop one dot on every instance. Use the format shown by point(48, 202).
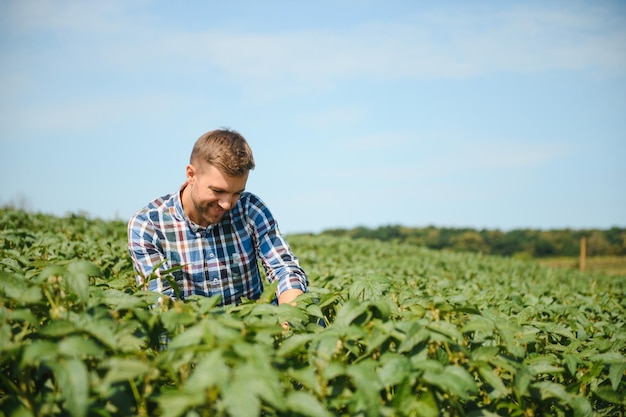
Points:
point(469, 241)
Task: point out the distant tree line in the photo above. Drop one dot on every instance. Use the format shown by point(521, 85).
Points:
point(517, 243)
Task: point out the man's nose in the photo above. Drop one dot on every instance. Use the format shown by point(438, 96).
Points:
point(226, 202)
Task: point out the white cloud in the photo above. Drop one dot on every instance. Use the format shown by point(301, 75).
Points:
point(66, 16)
point(485, 156)
point(397, 158)
point(113, 39)
point(434, 44)
point(83, 115)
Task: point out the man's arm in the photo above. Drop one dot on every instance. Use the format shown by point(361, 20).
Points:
point(277, 257)
point(288, 296)
point(146, 253)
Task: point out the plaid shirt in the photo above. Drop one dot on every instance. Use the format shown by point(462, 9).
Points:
point(222, 259)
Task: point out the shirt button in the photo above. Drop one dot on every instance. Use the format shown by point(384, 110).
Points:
point(211, 255)
point(215, 280)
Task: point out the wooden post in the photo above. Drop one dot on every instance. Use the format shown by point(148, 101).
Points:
point(583, 252)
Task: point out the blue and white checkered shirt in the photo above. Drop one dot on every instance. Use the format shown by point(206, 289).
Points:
point(222, 259)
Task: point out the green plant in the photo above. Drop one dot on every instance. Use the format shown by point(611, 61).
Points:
point(386, 330)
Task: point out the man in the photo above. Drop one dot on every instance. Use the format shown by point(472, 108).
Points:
point(215, 230)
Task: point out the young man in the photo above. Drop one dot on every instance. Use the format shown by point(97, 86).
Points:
point(215, 230)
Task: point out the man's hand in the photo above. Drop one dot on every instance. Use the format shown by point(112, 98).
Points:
point(288, 296)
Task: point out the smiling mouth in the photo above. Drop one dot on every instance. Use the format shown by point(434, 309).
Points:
point(217, 210)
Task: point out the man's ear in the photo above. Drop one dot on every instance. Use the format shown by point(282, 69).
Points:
point(190, 171)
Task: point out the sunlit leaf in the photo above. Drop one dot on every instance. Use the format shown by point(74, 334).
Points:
point(616, 373)
point(393, 369)
point(39, 351)
point(240, 398)
point(489, 376)
point(77, 278)
point(78, 346)
point(124, 369)
point(73, 380)
point(305, 404)
point(452, 379)
point(18, 289)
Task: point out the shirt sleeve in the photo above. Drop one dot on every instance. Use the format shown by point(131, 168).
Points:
point(277, 258)
point(147, 254)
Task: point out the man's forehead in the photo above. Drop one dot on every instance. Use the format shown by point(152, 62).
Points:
point(216, 178)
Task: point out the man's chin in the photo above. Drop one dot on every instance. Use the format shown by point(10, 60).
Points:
point(213, 219)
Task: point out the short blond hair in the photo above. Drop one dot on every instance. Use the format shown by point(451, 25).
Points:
point(225, 149)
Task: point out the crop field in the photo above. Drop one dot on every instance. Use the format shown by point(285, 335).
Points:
point(605, 265)
point(386, 330)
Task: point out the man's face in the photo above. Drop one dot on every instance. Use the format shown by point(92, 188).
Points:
point(210, 193)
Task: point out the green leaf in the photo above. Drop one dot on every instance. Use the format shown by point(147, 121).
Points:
point(333, 370)
point(205, 304)
point(19, 289)
point(479, 323)
point(307, 376)
point(240, 399)
point(608, 394)
point(454, 380)
point(78, 346)
point(485, 354)
point(571, 363)
point(192, 336)
point(349, 312)
point(447, 329)
point(581, 407)
point(58, 327)
point(303, 403)
point(123, 369)
point(103, 330)
point(315, 311)
point(210, 371)
point(616, 372)
point(269, 293)
point(119, 300)
point(522, 381)
point(174, 319)
point(555, 328)
point(365, 376)
point(175, 403)
point(393, 369)
point(489, 375)
point(73, 380)
point(328, 344)
point(416, 335)
point(608, 357)
point(24, 315)
point(508, 331)
point(426, 405)
point(262, 379)
point(549, 389)
point(14, 265)
point(78, 276)
point(51, 271)
point(544, 364)
point(294, 344)
point(39, 351)
point(368, 288)
point(291, 314)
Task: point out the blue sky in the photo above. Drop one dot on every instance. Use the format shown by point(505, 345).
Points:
point(482, 114)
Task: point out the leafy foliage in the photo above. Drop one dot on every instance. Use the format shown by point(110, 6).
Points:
point(519, 242)
point(386, 330)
